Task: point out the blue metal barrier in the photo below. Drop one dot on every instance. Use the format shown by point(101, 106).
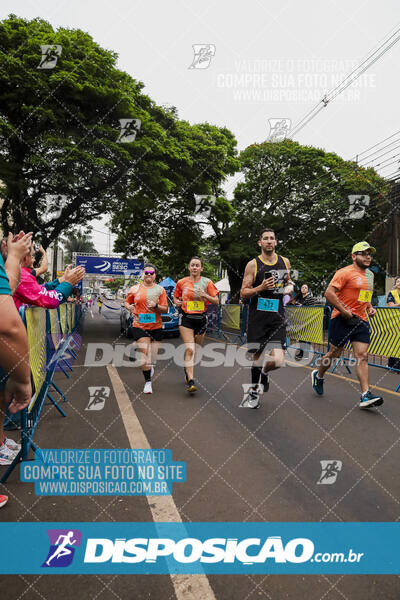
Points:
point(55, 343)
point(233, 334)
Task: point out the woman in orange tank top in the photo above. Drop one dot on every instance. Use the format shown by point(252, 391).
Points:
point(146, 301)
point(192, 294)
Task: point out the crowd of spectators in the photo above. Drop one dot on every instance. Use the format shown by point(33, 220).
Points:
point(393, 299)
point(18, 287)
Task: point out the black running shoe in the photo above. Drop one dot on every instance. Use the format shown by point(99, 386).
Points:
point(370, 399)
point(191, 388)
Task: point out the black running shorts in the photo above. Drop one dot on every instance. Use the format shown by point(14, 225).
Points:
point(341, 332)
point(273, 336)
point(196, 322)
point(154, 334)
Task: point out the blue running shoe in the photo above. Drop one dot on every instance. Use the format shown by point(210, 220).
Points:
point(368, 400)
point(317, 383)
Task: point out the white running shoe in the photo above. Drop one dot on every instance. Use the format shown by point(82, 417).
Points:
point(147, 388)
point(251, 400)
point(6, 455)
point(12, 445)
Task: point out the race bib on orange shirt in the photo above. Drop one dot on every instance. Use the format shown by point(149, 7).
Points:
point(147, 318)
point(195, 305)
point(365, 296)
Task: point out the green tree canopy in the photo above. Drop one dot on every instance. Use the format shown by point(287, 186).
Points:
point(169, 224)
point(302, 193)
point(77, 241)
point(60, 132)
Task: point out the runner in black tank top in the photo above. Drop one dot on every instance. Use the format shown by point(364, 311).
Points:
point(266, 280)
point(267, 324)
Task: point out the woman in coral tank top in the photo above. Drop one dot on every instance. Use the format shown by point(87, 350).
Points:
point(146, 301)
point(192, 294)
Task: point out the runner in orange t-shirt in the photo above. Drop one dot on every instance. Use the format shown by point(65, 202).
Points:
point(192, 294)
point(350, 293)
point(146, 301)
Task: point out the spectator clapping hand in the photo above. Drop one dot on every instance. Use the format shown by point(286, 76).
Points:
point(67, 270)
point(19, 245)
point(73, 276)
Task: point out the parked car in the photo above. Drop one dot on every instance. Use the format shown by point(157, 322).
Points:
point(170, 321)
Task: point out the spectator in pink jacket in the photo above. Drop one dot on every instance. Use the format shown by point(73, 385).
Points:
point(26, 290)
point(15, 380)
point(49, 295)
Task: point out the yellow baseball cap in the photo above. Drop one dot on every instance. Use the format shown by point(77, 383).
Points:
point(360, 246)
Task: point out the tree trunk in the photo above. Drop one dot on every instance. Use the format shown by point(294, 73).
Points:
point(235, 281)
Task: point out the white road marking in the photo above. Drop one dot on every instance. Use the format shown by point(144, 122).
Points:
point(163, 508)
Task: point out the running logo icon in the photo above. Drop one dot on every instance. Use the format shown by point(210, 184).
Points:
point(50, 54)
point(63, 543)
point(278, 129)
point(129, 129)
point(204, 205)
point(330, 471)
point(357, 206)
point(203, 53)
point(98, 397)
point(251, 393)
point(55, 205)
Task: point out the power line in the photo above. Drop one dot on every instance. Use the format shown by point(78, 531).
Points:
point(368, 56)
point(393, 162)
point(383, 147)
point(393, 176)
point(374, 164)
point(368, 66)
point(377, 144)
point(368, 62)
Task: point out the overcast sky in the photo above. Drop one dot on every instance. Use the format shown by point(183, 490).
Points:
point(273, 60)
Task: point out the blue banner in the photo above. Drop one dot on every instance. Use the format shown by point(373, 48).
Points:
point(193, 548)
point(103, 265)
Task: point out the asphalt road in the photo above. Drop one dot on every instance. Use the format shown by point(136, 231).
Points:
point(242, 465)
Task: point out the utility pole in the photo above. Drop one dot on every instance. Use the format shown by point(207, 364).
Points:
point(393, 231)
point(55, 258)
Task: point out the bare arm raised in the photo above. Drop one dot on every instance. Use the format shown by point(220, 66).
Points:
point(44, 265)
point(247, 291)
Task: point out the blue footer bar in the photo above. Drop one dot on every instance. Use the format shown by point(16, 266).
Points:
point(214, 548)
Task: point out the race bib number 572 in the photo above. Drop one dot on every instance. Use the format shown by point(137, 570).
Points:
point(268, 304)
point(195, 306)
